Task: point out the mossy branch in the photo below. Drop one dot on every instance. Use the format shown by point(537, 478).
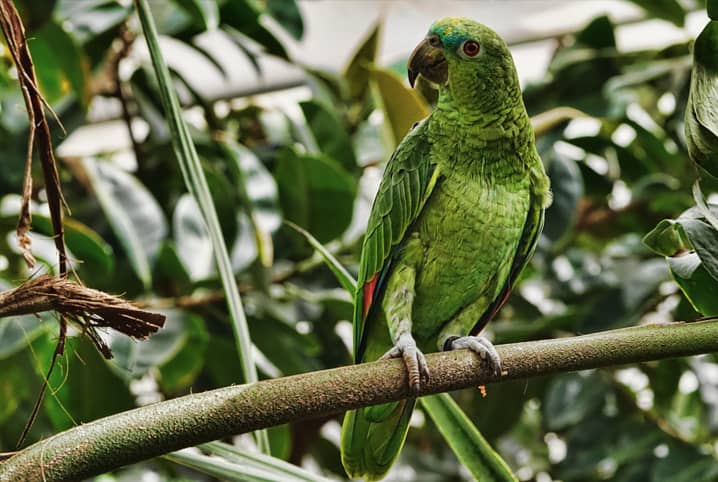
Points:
point(157, 429)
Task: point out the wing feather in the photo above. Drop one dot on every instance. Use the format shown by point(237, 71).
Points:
point(407, 183)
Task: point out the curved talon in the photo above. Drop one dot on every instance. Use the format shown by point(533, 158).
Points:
point(414, 360)
point(482, 347)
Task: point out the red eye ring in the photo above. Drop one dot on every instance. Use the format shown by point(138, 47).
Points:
point(471, 48)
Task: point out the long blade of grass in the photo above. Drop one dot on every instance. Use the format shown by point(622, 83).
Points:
point(465, 440)
point(197, 185)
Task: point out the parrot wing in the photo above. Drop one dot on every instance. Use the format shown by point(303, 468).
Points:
point(407, 183)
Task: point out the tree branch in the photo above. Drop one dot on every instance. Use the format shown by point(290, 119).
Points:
point(153, 430)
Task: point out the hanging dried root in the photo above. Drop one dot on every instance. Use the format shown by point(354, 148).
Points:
point(87, 307)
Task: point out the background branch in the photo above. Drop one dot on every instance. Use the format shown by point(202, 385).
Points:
point(153, 430)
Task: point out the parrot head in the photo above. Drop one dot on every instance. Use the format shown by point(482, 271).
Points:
point(467, 57)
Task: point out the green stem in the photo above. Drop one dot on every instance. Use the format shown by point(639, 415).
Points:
point(147, 432)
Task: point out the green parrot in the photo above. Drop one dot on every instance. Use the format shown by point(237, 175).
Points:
point(457, 217)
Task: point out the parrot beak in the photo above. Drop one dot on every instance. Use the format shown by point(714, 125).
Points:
point(428, 60)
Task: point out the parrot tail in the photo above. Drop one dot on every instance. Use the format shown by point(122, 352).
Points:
point(372, 438)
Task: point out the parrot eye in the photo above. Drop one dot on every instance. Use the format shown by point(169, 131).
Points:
point(471, 48)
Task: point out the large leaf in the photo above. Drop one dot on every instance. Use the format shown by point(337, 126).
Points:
point(331, 136)
point(356, 72)
point(316, 193)
point(287, 13)
point(196, 182)
point(203, 12)
point(402, 106)
point(695, 282)
point(86, 245)
point(701, 118)
point(246, 17)
point(260, 199)
point(231, 464)
point(133, 213)
point(61, 66)
point(670, 10)
point(192, 241)
point(177, 351)
point(465, 440)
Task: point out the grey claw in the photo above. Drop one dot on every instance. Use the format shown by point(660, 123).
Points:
point(482, 347)
point(414, 360)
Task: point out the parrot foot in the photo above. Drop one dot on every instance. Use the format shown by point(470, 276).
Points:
point(479, 345)
point(414, 360)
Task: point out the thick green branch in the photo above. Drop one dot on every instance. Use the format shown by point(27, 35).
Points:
point(149, 431)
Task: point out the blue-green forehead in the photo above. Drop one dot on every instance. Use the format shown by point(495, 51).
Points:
point(451, 37)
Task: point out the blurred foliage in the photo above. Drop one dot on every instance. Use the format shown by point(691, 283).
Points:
point(618, 176)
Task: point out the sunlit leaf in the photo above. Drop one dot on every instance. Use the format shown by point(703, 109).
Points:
point(401, 105)
point(136, 218)
point(192, 242)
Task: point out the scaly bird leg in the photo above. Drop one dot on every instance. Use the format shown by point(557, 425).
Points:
point(479, 345)
point(414, 360)
point(398, 303)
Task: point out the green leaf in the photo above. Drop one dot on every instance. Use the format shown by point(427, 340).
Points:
point(331, 136)
point(696, 283)
point(465, 440)
point(179, 371)
point(571, 398)
point(232, 454)
point(246, 17)
point(316, 193)
point(402, 106)
point(204, 12)
point(231, 464)
point(260, 198)
point(197, 184)
point(85, 244)
point(667, 239)
point(133, 213)
point(192, 241)
point(567, 188)
point(16, 332)
point(356, 72)
point(177, 350)
point(342, 275)
point(287, 13)
point(701, 117)
point(704, 239)
point(60, 64)
point(670, 10)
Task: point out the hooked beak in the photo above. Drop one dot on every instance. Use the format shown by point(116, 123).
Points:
point(428, 60)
